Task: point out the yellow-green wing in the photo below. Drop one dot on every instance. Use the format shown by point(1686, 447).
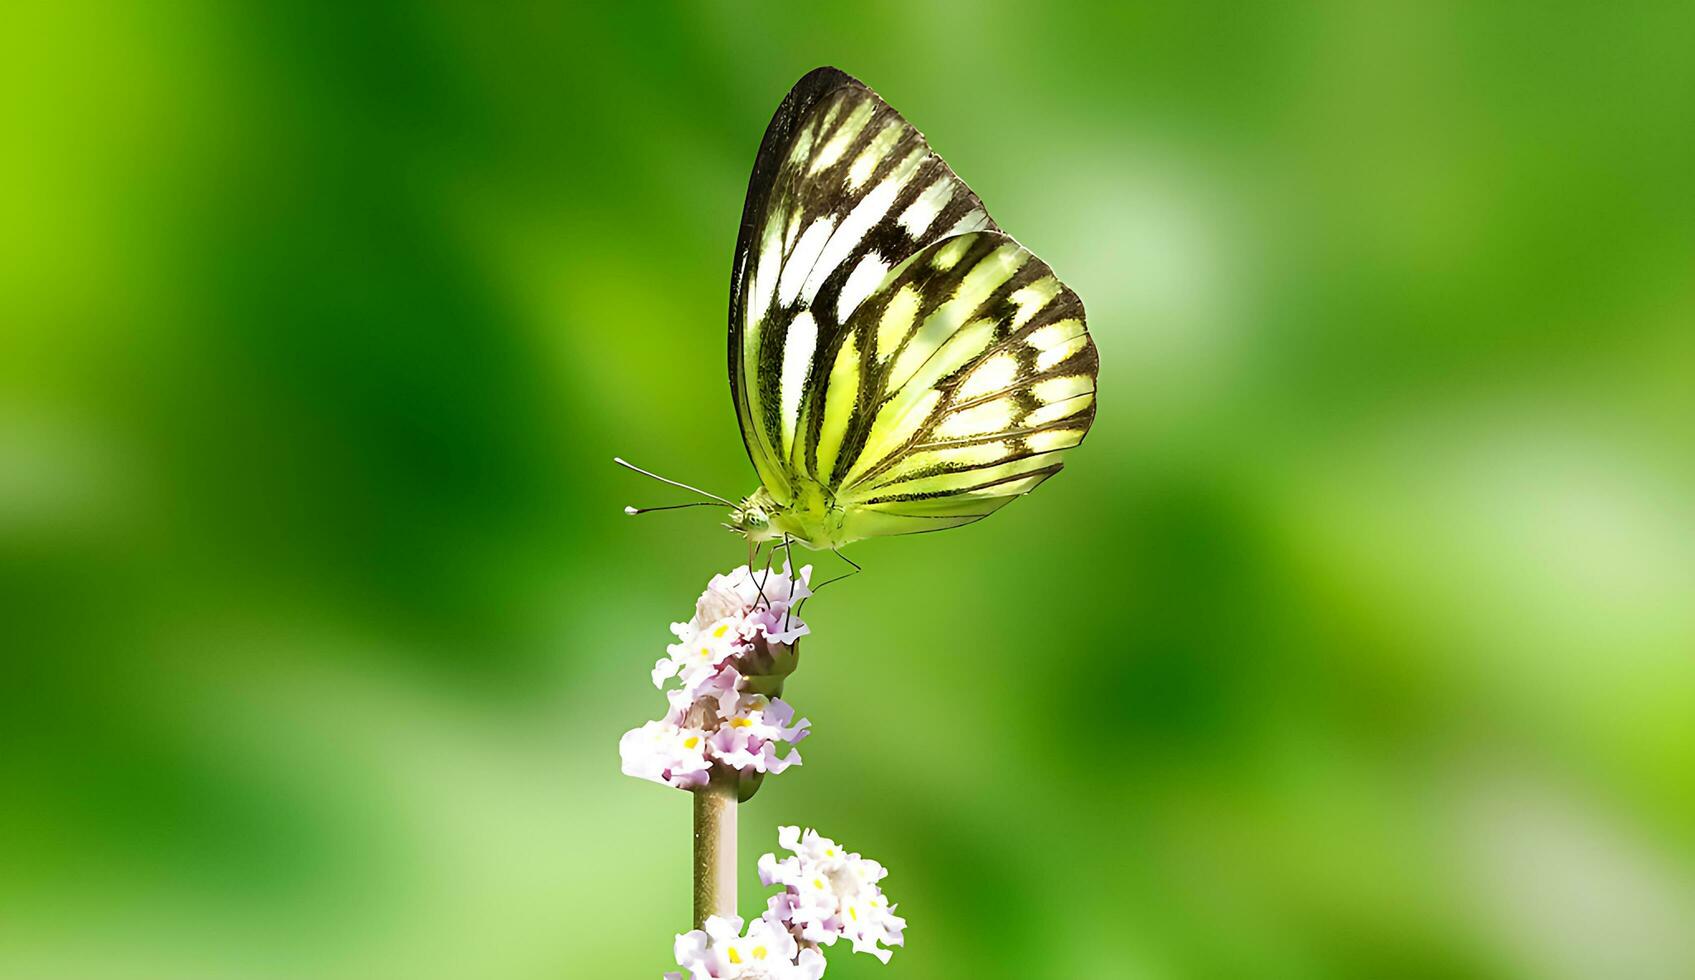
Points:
point(957, 386)
point(844, 190)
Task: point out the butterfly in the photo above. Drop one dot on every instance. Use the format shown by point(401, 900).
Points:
point(898, 363)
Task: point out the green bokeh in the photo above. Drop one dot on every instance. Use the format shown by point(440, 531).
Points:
point(1358, 641)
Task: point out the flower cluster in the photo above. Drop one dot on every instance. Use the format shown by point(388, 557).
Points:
point(828, 894)
point(731, 658)
point(766, 951)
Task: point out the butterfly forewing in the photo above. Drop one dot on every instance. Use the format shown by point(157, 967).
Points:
point(887, 342)
point(843, 190)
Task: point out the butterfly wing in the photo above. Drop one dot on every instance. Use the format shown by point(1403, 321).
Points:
point(975, 373)
point(843, 189)
point(888, 343)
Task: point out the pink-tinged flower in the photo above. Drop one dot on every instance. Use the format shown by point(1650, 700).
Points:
point(701, 706)
point(740, 612)
point(830, 893)
point(740, 730)
point(732, 658)
point(700, 652)
point(766, 952)
point(755, 714)
point(751, 729)
point(743, 589)
point(744, 617)
point(666, 753)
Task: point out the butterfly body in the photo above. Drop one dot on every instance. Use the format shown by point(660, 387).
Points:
point(812, 519)
point(898, 363)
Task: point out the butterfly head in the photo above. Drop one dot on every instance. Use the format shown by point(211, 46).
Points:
point(752, 517)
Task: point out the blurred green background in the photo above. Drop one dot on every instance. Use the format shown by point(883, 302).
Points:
point(1359, 641)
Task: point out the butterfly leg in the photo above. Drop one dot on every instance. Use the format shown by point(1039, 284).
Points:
point(856, 570)
point(788, 563)
point(763, 576)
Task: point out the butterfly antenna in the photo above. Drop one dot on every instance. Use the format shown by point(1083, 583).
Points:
point(683, 486)
point(633, 511)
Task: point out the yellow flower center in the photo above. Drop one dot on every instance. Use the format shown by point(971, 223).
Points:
point(759, 952)
point(691, 741)
point(741, 722)
point(735, 957)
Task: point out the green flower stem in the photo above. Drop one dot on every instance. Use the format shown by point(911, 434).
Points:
point(715, 847)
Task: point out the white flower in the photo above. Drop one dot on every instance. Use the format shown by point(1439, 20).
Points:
point(666, 753)
point(740, 612)
point(743, 589)
point(751, 728)
point(700, 652)
point(741, 637)
point(830, 893)
point(766, 952)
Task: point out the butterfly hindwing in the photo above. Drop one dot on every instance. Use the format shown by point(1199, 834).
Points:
point(976, 374)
